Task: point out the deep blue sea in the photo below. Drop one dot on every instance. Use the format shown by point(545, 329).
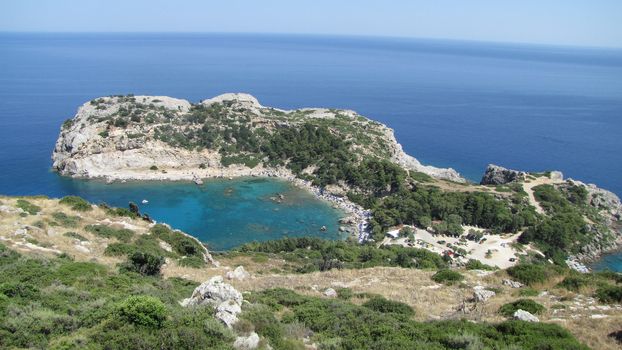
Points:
point(452, 104)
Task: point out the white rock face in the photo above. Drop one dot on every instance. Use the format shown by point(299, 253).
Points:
point(523, 315)
point(226, 300)
point(330, 292)
point(512, 284)
point(480, 294)
point(249, 342)
point(81, 151)
point(239, 273)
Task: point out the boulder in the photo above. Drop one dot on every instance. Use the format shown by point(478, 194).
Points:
point(228, 312)
point(215, 292)
point(239, 273)
point(512, 284)
point(523, 315)
point(330, 292)
point(482, 295)
point(497, 175)
point(249, 342)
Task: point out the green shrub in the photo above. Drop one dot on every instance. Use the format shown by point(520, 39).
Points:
point(144, 263)
point(76, 203)
point(123, 235)
point(383, 305)
point(66, 220)
point(528, 292)
point(528, 305)
point(473, 264)
point(344, 293)
point(119, 249)
point(143, 310)
point(574, 283)
point(28, 207)
point(609, 294)
point(531, 274)
point(75, 235)
point(447, 277)
point(153, 167)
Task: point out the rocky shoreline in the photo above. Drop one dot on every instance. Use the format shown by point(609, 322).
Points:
point(357, 218)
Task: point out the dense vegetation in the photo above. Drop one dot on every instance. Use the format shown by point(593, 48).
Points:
point(423, 204)
point(63, 304)
point(564, 230)
point(314, 254)
point(377, 324)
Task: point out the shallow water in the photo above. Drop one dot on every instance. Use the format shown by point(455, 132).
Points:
point(223, 213)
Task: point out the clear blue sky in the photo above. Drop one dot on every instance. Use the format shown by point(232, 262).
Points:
point(565, 22)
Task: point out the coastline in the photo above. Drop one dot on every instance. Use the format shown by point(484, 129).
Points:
point(356, 217)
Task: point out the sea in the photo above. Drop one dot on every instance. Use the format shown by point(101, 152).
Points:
point(452, 104)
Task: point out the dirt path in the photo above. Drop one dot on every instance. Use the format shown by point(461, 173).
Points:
point(530, 184)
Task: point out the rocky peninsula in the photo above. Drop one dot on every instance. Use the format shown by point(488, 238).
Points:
point(120, 138)
point(340, 156)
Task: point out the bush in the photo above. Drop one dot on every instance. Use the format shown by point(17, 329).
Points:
point(153, 167)
point(574, 283)
point(609, 294)
point(123, 235)
point(345, 293)
point(385, 306)
point(531, 274)
point(75, 235)
point(28, 207)
point(76, 203)
point(528, 305)
point(66, 220)
point(144, 263)
point(473, 264)
point(447, 277)
point(142, 310)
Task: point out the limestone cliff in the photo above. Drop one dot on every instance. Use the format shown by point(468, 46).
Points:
point(156, 137)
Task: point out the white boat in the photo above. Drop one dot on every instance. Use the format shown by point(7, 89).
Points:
point(145, 201)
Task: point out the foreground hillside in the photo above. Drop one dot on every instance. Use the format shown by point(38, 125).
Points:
point(127, 287)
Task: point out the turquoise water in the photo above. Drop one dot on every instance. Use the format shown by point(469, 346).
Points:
point(223, 213)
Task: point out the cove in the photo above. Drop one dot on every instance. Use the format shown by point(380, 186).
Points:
point(222, 213)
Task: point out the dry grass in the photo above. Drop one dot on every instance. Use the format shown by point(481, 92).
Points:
point(430, 300)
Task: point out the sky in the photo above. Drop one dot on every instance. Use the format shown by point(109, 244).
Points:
point(560, 22)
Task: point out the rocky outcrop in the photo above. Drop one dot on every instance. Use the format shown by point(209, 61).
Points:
point(330, 292)
point(124, 137)
point(497, 175)
point(526, 316)
point(512, 284)
point(248, 342)
point(239, 273)
point(225, 299)
point(480, 294)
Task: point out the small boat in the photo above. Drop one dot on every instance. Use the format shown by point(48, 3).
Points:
point(144, 201)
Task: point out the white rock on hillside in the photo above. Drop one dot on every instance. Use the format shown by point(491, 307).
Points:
point(512, 284)
point(330, 292)
point(239, 273)
point(480, 294)
point(216, 293)
point(249, 342)
point(523, 315)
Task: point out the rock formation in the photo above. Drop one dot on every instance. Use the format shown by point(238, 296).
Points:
point(497, 175)
point(526, 316)
point(142, 137)
point(226, 300)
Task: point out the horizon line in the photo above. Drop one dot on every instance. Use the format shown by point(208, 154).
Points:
point(342, 35)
